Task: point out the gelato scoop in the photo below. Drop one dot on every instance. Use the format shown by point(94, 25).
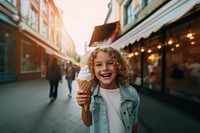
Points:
point(84, 73)
point(84, 82)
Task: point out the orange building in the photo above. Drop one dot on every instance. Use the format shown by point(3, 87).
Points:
point(32, 34)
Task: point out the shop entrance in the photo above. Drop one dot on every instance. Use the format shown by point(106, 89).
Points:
point(7, 53)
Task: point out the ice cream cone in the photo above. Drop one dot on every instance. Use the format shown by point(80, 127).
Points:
point(85, 85)
point(84, 82)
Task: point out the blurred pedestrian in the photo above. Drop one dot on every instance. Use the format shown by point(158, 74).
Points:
point(176, 73)
point(113, 105)
point(70, 76)
point(54, 76)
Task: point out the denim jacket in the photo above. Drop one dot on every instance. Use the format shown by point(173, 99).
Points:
point(130, 101)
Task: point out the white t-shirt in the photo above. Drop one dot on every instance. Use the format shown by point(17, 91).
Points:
point(113, 102)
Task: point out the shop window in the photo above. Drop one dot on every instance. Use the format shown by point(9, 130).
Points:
point(182, 59)
point(7, 35)
point(152, 64)
point(29, 58)
point(134, 56)
point(43, 63)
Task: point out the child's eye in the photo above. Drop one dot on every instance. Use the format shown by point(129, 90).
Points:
point(98, 64)
point(110, 63)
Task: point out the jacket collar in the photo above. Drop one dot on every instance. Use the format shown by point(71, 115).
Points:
point(125, 94)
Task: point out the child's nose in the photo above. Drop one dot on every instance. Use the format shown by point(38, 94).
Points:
point(105, 67)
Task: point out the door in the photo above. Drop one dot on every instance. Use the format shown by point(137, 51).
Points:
point(7, 53)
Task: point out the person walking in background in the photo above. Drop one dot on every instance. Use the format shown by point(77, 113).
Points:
point(54, 76)
point(70, 76)
point(114, 103)
point(176, 73)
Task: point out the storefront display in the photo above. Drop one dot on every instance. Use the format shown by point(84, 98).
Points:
point(29, 57)
point(169, 60)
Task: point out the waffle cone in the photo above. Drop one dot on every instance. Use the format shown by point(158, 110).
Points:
point(85, 85)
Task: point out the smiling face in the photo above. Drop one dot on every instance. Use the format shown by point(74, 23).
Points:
point(105, 70)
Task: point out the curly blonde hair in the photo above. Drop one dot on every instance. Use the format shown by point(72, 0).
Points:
point(121, 65)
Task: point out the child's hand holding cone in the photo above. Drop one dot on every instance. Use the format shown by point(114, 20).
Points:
point(84, 83)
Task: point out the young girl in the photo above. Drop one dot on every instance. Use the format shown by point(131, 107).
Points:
point(113, 103)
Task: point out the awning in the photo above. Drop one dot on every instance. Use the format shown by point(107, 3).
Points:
point(169, 13)
point(56, 54)
point(104, 33)
point(48, 49)
point(5, 19)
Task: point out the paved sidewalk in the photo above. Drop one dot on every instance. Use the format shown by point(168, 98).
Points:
point(158, 117)
point(25, 108)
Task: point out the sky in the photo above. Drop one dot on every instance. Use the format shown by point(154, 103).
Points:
point(80, 18)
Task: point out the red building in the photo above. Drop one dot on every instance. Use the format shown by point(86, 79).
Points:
point(32, 34)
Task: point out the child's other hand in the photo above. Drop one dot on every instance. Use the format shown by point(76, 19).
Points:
point(82, 98)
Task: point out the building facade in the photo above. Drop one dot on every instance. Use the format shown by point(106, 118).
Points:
point(160, 38)
point(32, 33)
